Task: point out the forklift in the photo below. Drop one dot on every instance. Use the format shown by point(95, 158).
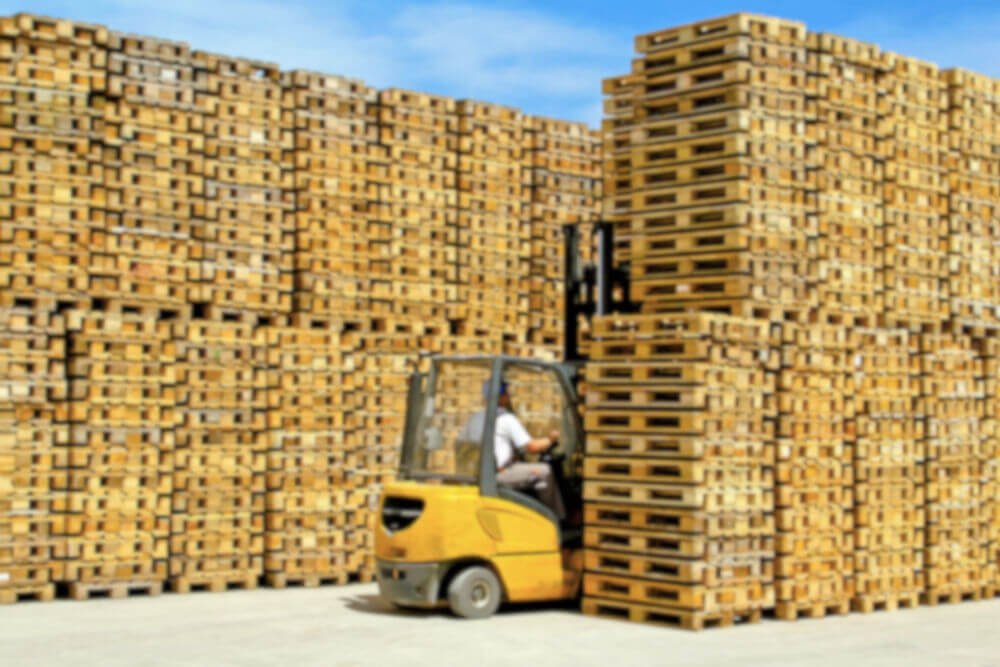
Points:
point(447, 533)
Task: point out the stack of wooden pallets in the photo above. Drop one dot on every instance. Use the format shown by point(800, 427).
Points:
point(312, 459)
point(814, 471)
point(494, 233)
point(383, 361)
point(51, 169)
point(876, 170)
point(336, 179)
point(679, 479)
point(564, 162)
point(845, 77)
point(707, 172)
point(415, 269)
point(217, 531)
point(913, 132)
point(973, 199)
point(179, 200)
point(959, 438)
point(249, 229)
point(33, 433)
point(118, 479)
point(990, 354)
point(151, 246)
point(888, 471)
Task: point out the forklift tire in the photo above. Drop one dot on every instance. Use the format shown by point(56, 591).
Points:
point(474, 593)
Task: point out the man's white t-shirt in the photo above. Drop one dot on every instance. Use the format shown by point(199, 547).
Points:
point(508, 435)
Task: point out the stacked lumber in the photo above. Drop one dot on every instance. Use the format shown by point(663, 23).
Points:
point(51, 170)
point(564, 168)
point(707, 167)
point(336, 176)
point(249, 232)
point(312, 499)
point(889, 454)
point(415, 269)
point(973, 199)
point(845, 76)
point(120, 453)
point(814, 566)
point(217, 516)
point(914, 127)
point(151, 246)
point(33, 435)
point(494, 234)
point(678, 475)
point(958, 439)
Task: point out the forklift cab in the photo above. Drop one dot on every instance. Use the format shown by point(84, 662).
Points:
point(447, 530)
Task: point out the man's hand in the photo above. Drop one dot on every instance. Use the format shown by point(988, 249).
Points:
point(554, 436)
point(540, 445)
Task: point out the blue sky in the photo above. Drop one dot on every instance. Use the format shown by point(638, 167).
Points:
point(545, 57)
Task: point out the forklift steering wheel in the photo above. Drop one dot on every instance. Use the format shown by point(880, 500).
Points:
point(550, 455)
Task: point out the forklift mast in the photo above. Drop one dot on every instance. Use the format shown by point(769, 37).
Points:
point(591, 289)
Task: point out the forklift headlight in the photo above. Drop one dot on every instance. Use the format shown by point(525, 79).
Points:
point(400, 513)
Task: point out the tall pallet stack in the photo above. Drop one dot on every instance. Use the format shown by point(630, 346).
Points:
point(914, 127)
point(958, 438)
point(33, 435)
point(845, 78)
point(564, 161)
point(706, 168)
point(973, 199)
point(151, 246)
point(312, 460)
point(217, 520)
point(990, 354)
point(679, 479)
point(383, 363)
point(416, 268)
point(889, 453)
point(249, 237)
point(51, 172)
point(494, 233)
point(120, 453)
point(814, 567)
point(338, 176)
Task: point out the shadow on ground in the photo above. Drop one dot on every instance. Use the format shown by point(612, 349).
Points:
point(376, 604)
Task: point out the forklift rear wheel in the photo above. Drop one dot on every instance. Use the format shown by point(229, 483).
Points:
point(474, 593)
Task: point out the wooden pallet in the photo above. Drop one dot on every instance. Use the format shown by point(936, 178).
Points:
point(792, 611)
point(114, 589)
point(867, 604)
point(214, 583)
point(307, 581)
point(951, 596)
point(40, 593)
point(670, 617)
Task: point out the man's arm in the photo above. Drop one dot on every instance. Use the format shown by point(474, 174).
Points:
point(536, 445)
point(523, 440)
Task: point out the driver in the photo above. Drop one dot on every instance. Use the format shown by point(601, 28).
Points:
point(509, 436)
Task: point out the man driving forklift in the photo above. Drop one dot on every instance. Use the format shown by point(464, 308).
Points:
point(509, 439)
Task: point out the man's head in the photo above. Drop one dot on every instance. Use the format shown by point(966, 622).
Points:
point(504, 398)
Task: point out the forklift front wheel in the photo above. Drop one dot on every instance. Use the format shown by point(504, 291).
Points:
point(474, 593)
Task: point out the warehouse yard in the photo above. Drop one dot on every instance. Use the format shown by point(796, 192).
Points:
point(341, 626)
point(217, 276)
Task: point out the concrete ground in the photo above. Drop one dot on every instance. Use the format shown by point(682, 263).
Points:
point(352, 626)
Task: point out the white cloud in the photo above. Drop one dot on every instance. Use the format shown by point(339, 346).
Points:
point(483, 50)
point(962, 39)
point(541, 62)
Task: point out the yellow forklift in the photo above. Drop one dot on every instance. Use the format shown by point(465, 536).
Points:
point(448, 534)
